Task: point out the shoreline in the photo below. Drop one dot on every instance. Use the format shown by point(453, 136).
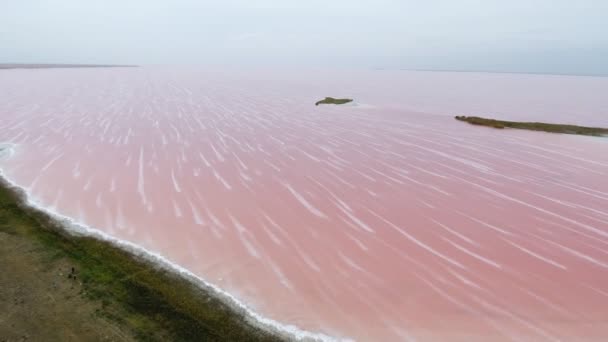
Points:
point(13, 66)
point(250, 325)
point(535, 126)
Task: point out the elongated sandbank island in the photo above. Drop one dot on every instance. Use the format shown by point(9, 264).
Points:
point(331, 100)
point(57, 285)
point(535, 126)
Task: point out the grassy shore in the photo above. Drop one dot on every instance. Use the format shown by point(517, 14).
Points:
point(59, 286)
point(535, 126)
point(331, 100)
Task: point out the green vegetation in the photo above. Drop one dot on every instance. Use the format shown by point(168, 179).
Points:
point(141, 298)
point(535, 126)
point(331, 100)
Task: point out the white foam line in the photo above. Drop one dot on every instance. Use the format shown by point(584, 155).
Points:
point(464, 279)
point(358, 222)
point(140, 179)
point(548, 303)
point(98, 200)
point(579, 254)
point(273, 237)
point(207, 164)
point(196, 215)
point(418, 242)
point(289, 331)
point(540, 257)
point(603, 293)
point(45, 167)
point(496, 309)
point(351, 263)
point(466, 307)
point(513, 199)
point(304, 202)
point(7, 150)
point(217, 154)
point(474, 255)
point(175, 184)
point(176, 209)
point(222, 180)
point(427, 204)
point(76, 170)
point(455, 233)
point(241, 230)
point(485, 224)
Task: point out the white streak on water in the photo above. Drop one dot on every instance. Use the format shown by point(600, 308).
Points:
point(51, 162)
point(140, 179)
point(474, 255)
point(304, 202)
point(538, 256)
point(418, 242)
point(175, 184)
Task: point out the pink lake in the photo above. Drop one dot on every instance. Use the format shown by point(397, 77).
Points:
point(386, 220)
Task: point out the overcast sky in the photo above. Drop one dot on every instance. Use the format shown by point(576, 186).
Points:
point(558, 36)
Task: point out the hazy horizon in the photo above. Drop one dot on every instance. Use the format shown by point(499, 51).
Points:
point(541, 36)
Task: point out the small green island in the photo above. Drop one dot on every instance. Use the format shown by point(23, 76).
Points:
point(331, 100)
point(535, 126)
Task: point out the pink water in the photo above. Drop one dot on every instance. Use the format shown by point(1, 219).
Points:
point(383, 221)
